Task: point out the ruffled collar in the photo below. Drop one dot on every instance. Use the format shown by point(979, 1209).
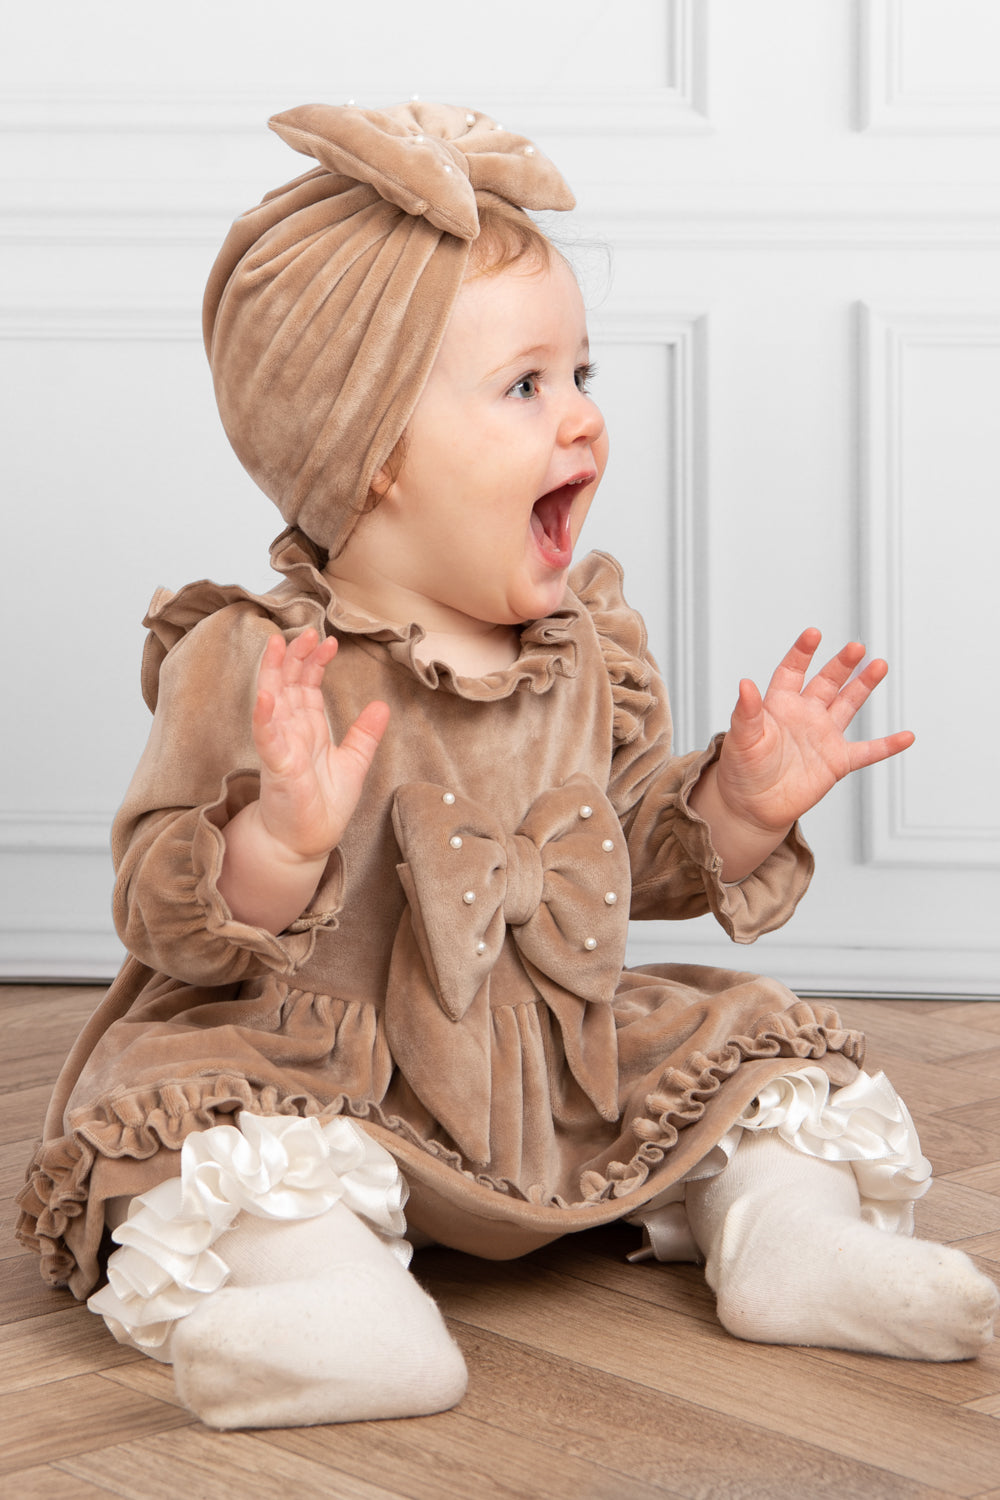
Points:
point(549, 647)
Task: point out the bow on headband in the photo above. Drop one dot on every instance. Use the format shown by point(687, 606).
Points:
point(540, 913)
point(428, 159)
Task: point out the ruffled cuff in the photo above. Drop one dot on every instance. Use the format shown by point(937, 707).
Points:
point(170, 914)
point(864, 1123)
point(764, 899)
point(274, 1167)
point(289, 951)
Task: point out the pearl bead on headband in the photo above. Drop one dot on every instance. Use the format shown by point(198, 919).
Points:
point(327, 303)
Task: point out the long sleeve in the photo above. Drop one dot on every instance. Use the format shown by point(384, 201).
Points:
point(198, 769)
point(676, 873)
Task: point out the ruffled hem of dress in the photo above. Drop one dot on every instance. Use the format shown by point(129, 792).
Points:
point(138, 1123)
point(804, 1032)
point(277, 1167)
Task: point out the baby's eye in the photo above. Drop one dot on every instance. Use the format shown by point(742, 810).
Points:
point(584, 375)
point(526, 388)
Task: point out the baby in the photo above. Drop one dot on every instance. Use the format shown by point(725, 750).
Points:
point(376, 865)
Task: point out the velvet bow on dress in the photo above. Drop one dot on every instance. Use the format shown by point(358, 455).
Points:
point(538, 917)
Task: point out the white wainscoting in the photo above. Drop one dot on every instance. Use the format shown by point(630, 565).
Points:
point(930, 457)
point(928, 68)
point(798, 360)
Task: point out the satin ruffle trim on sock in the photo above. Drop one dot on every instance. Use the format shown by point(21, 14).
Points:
point(866, 1124)
point(274, 1167)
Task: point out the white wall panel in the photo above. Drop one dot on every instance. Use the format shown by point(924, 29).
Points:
point(572, 66)
point(714, 146)
point(128, 141)
point(232, 48)
point(930, 458)
point(651, 386)
point(118, 477)
point(930, 66)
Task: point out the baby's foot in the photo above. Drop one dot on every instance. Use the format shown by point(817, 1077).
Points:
point(791, 1261)
point(352, 1336)
point(851, 1286)
point(345, 1348)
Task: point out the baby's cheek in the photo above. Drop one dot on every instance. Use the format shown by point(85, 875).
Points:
point(601, 450)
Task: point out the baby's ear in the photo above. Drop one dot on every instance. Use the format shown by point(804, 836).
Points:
point(380, 486)
point(381, 482)
point(386, 476)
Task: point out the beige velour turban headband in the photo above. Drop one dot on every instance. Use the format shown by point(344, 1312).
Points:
point(327, 303)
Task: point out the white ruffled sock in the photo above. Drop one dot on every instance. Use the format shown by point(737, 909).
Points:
point(318, 1322)
point(256, 1276)
point(792, 1262)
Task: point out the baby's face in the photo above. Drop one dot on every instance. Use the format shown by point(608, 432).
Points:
point(504, 453)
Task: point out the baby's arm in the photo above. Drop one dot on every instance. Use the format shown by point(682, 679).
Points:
point(784, 752)
point(277, 847)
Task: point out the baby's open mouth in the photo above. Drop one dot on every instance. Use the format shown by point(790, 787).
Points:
point(550, 523)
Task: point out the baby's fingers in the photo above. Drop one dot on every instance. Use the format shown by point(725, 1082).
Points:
point(829, 683)
point(300, 662)
point(362, 739)
point(790, 673)
point(747, 724)
point(307, 657)
point(267, 733)
point(870, 752)
point(845, 703)
point(269, 672)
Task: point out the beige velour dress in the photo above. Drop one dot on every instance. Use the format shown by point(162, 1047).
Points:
point(457, 983)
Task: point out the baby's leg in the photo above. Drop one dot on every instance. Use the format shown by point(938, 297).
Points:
point(792, 1262)
point(318, 1322)
point(275, 1302)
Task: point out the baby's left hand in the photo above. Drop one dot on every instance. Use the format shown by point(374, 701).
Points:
point(784, 752)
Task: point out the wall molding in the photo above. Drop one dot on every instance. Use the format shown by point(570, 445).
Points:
point(971, 223)
point(100, 324)
point(931, 971)
point(55, 831)
point(76, 954)
point(795, 213)
point(892, 834)
point(684, 337)
point(671, 110)
point(43, 935)
point(678, 107)
point(890, 104)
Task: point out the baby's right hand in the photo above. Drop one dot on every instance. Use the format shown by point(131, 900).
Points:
point(277, 847)
point(310, 786)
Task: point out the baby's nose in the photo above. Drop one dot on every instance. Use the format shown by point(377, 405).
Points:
point(583, 419)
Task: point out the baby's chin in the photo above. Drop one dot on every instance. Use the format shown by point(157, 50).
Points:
point(546, 598)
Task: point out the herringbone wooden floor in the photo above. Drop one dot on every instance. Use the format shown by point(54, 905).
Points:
point(590, 1377)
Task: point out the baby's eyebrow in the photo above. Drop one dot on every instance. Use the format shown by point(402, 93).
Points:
point(533, 355)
